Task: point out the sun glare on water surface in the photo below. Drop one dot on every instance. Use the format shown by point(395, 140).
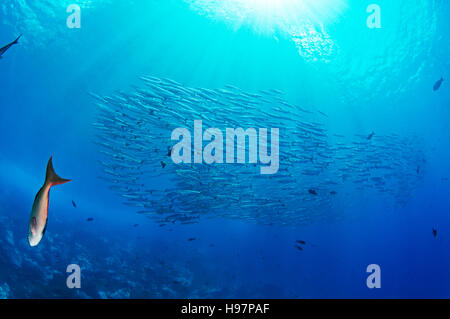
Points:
point(303, 21)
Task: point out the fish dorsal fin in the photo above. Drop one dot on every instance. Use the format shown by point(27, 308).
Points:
point(51, 178)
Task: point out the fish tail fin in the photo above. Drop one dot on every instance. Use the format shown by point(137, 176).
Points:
point(17, 40)
point(51, 178)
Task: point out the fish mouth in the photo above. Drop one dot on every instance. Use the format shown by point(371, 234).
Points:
point(33, 241)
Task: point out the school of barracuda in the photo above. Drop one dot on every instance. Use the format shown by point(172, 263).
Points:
point(134, 135)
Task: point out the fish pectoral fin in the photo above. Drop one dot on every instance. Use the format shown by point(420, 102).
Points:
point(33, 222)
point(33, 225)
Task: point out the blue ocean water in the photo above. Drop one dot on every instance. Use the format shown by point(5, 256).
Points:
point(321, 54)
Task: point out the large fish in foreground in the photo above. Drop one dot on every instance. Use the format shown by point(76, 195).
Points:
point(39, 212)
point(6, 47)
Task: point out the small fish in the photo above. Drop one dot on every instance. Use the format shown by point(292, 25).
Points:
point(6, 47)
point(333, 193)
point(438, 84)
point(300, 242)
point(312, 192)
point(192, 239)
point(135, 225)
point(39, 211)
point(74, 204)
point(434, 232)
point(163, 164)
point(169, 151)
point(323, 113)
point(299, 247)
point(90, 219)
point(370, 135)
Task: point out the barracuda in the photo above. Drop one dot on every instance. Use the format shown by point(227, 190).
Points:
point(6, 47)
